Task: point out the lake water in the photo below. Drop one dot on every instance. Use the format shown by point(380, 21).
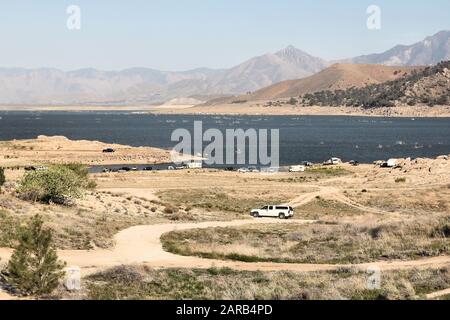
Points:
point(304, 138)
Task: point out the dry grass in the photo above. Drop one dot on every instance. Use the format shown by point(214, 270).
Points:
point(91, 222)
point(142, 283)
point(216, 199)
point(321, 208)
point(408, 201)
point(317, 243)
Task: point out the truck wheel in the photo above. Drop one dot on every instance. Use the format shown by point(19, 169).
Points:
point(281, 216)
point(255, 215)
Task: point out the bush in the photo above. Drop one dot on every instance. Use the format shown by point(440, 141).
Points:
point(82, 172)
point(400, 180)
point(293, 101)
point(2, 177)
point(34, 268)
point(58, 184)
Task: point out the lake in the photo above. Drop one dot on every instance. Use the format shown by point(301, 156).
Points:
point(302, 138)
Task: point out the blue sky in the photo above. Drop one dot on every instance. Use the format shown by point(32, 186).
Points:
point(185, 34)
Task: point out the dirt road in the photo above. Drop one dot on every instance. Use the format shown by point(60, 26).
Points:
point(142, 245)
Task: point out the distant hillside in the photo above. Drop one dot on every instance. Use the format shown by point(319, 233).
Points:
point(430, 86)
point(147, 86)
point(430, 51)
point(143, 85)
point(336, 77)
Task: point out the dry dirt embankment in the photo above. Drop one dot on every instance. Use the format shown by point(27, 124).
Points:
point(58, 149)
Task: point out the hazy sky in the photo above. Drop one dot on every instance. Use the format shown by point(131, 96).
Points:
point(185, 34)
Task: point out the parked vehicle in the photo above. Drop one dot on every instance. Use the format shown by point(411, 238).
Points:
point(243, 170)
point(109, 150)
point(148, 169)
point(194, 165)
point(353, 163)
point(297, 169)
point(170, 168)
point(307, 163)
point(281, 212)
point(332, 161)
point(253, 169)
point(270, 170)
point(392, 163)
point(106, 170)
point(126, 169)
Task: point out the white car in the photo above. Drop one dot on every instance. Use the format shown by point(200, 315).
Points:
point(333, 161)
point(282, 212)
point(243, 170)
point(297, 169)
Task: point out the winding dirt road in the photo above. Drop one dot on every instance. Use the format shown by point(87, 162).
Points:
point(141, 245)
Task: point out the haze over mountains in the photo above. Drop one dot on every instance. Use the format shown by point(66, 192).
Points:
point(143, 85)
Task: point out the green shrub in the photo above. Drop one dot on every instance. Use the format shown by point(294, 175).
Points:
point(58, 184)
point(34, 268)
point(82, 171)
point(399, 180)
point(2, 177)
point(292, 101)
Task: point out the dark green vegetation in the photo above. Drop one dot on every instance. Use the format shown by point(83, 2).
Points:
point(429, 86)
point(58, 184)
point(143, 283)
point(2, 177)
point(8, 229)
point(34, 268)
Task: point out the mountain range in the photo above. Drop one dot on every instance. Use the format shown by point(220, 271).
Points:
point(339, 76)
point(146, 86)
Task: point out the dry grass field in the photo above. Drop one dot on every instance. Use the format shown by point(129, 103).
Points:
point(362, 214)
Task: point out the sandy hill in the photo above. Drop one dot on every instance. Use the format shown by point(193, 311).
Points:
point(426, 86)
point(336, 77)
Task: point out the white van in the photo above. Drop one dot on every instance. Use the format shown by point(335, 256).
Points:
point(194, 165)
point(282, 212)
point(297, 169)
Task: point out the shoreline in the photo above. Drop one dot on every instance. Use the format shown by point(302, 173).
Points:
point(251, 110)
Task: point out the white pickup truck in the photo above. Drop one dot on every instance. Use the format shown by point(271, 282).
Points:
point(282, 212)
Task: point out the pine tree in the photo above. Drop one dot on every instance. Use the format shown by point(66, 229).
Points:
point(34, 268)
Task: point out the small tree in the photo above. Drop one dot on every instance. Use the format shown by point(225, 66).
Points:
point(2, 177)
point(293, 101)
point(34, 268)
point(58, 184)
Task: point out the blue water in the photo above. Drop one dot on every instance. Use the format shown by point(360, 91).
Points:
point(311, 138)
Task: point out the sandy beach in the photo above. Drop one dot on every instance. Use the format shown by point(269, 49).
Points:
point(251, 109)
